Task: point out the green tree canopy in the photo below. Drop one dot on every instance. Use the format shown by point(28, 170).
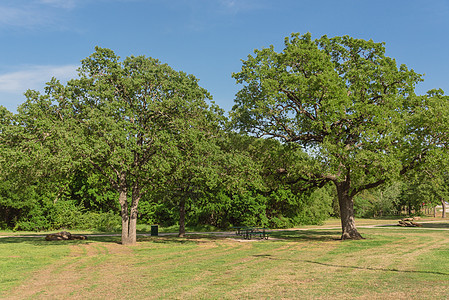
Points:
point(123, 118)
point(345, 103)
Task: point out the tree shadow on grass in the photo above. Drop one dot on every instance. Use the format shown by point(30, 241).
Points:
point(189, 238)
point(39, 240)
point(307, 235)
point(376, 269)
point(287, 235)
point(436, 225)
point(157, 239)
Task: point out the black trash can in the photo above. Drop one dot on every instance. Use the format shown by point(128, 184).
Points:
point(154, 230)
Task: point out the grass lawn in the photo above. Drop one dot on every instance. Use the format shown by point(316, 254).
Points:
point(391, 263)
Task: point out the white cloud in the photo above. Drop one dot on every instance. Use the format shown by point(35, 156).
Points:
point(21, 16)
point(29, 14)
point(34, 77)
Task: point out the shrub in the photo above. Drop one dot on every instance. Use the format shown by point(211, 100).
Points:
point(65, 214)
point(107, 222)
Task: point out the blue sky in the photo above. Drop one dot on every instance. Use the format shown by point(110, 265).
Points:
point(207, 38)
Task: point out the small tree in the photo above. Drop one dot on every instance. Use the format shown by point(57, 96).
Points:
point(195, 161)
point(347, 104)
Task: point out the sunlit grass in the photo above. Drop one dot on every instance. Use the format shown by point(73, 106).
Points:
point(391, 263)
point(19, 257)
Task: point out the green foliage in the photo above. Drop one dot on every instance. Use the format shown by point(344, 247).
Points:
point(23, 208)
point(341, 98)
point(279, 209)
point(379, 202)
point(150, 212)
point(104, 221)
point(350, 107)
point(33, 223)
point(288, 209)
point(249, 209)
point(318, 206)
point(66, 214)
point(90, 190)
point(213, 209)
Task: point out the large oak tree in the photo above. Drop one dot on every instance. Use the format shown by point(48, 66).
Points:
point(346, 103)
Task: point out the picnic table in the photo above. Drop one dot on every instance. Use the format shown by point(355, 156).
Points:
point(249, 232)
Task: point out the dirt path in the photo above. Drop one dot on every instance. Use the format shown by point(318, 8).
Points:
point(85, 267)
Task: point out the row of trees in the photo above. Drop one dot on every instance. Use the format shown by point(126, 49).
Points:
point(336, 111)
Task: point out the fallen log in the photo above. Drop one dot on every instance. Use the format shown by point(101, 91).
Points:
point(402, 223)
point(64, 236)
point(416, 224)
point(408, 222)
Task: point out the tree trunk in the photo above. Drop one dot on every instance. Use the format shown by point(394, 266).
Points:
point(182, 217)
point(131, 235)
point(129, 217)
point(443, 204)
point(123, 199)
point(129, 224)
point(349, 230)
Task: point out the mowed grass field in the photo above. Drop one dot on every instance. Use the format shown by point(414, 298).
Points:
point(391, 263)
